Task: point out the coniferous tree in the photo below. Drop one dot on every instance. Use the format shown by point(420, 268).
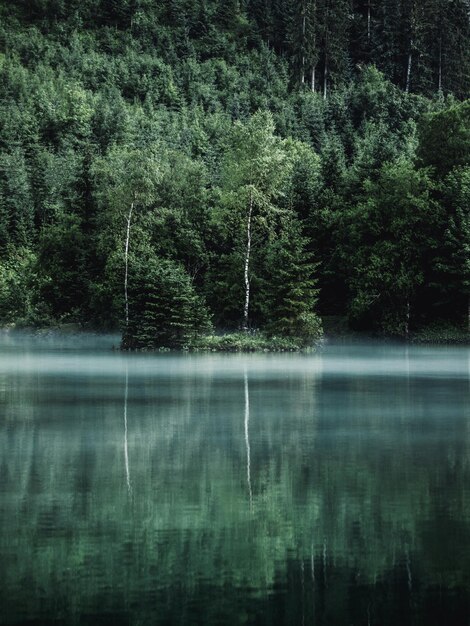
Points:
point(165, 310)
point(290, 292)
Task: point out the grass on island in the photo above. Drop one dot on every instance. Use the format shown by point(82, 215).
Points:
point(250, 342)
point(443, 334)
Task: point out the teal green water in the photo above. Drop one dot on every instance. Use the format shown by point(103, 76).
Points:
point(331, 488)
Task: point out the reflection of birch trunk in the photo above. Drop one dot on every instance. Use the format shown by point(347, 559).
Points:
point(126, 261)
point(247, 437)
point(247, 263)
point(312, 570)
point(408, 570)
point(126, 453)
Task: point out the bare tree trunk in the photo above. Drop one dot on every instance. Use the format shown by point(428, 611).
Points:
point(304, 19)
point(247, 263)
point(440, 65)
point(368, 21)
point(408, 69)
point(126, 260)
point(325, 73)
point(313, 48)
point(407, 319)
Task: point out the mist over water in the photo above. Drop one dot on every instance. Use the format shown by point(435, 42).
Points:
point(331, 488)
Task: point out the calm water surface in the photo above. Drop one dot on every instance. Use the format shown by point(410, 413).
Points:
point(322, 489)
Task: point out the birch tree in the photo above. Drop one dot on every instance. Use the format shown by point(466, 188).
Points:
point(126, 181)
point(255, 166)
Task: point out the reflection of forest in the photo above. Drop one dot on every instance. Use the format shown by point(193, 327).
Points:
point(351, 480)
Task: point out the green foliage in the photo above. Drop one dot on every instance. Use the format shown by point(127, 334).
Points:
point(165, 311)
point(452, 263)
point(445, 138)
point(391, 234)
point(19, 282)
point(62, 254)
point(248, 342)
point(185, 114)
point(290, 294)
point(255, 171)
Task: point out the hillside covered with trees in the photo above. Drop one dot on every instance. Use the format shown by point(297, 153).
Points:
point(171, 167)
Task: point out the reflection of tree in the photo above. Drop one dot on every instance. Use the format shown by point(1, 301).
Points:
point(344, 480)
point(247, 437)
point(126, 452)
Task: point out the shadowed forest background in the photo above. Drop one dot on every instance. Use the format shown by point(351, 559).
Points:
point(339, 129)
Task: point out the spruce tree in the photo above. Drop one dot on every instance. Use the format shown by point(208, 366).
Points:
point(165, 311)
point(290, 291)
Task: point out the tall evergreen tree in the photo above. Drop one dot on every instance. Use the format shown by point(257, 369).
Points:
point(290, 293)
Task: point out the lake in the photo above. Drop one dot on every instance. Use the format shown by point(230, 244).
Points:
point(327, 488)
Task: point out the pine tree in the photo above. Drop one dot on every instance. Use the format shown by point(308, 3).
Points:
point(165, 311)
point(290, 293)
point(303, 35)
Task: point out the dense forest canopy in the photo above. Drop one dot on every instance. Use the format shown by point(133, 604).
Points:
point(243, 164)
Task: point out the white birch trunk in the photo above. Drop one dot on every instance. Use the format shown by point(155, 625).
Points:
point(408, 69)
point(407, 319)
point(314, 45)
point(247, 263)
point(325, 74)
point(126, 261)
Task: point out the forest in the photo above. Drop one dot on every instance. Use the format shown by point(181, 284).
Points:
point(176, 168)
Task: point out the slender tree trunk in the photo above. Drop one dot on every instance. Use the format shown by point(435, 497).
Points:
point(408, 69)
point(440, 65)
point(368, 21)
point(304, 20)
point(314, 45)
point(126, 260)
point(326, 42)
point(247, 263)
point(407, 319)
